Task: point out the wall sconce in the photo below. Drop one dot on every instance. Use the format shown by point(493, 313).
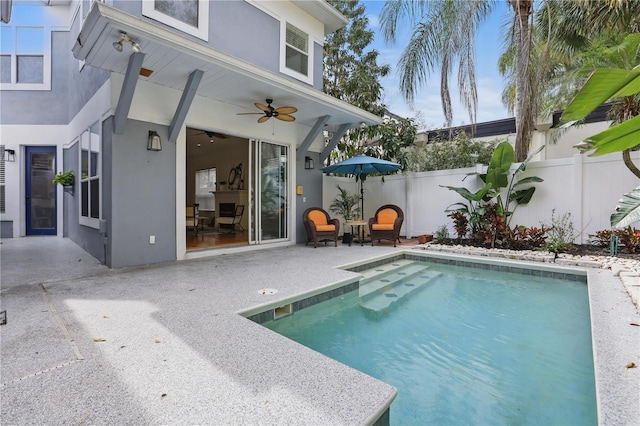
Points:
point(9, 155)
point(308, 163)
point(124, 38)
point(154, 143)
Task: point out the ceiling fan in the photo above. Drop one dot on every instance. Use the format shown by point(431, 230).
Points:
point(282, 113)
point(211, 135)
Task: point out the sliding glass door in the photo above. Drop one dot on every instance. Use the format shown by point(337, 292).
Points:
point(270, 192)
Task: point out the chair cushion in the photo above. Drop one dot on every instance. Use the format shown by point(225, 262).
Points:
point(318, 218)
point(325, 228)
point(387, 216)
point(382, 226)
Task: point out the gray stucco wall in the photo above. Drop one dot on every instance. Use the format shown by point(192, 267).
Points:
point(70, 89)
point(243, 31)
point(143, 197)
point(311, 180)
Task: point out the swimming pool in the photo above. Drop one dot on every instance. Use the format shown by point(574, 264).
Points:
point(462, 345)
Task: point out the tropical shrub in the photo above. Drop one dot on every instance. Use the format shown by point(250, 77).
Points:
point(442, 233)
point(450, 153)
point(560, 233)
point(490, 208)
point(628, 237)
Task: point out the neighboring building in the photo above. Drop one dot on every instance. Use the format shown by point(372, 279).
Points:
point(88, 86)
point(558, 142)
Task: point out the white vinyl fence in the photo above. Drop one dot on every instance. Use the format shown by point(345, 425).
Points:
point(586, 187)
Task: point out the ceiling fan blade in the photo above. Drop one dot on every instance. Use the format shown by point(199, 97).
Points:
point(249, 113)
point(286, 110)
point(262, 107)
point(263, 119)
point(285, 117)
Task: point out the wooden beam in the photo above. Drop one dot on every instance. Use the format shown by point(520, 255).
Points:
point(188, 94)
point(126, 93)
point(334, 140)
point(308, 140)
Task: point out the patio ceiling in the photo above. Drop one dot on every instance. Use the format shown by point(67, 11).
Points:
point(173, 57)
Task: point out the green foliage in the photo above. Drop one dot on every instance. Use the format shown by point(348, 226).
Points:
point(628, 237)
point(561, 233)
point(64, 178)
point(488, 212)
point(345, 204)
point(442, 233)
point(450, 153)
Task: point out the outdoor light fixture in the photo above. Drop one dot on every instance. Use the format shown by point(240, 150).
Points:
point(9, 155)
point(154, 143)
point(308, 163)
point(124, 38)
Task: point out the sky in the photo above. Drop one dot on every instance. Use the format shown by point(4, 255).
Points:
point(427, 100)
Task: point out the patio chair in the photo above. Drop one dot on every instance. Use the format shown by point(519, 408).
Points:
point(386, 224)
point(320, 226)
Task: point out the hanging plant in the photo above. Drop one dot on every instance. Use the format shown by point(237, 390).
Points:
point(64, 178)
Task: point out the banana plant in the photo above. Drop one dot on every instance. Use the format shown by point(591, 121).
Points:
point(496, 180)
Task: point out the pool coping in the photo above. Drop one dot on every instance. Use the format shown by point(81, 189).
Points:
point(614, 384)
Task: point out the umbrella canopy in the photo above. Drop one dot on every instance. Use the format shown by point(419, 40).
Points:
point(362, 165)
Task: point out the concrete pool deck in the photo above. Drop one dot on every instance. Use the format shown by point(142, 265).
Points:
point(163, 344)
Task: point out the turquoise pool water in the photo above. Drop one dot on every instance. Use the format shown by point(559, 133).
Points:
point(461, 345)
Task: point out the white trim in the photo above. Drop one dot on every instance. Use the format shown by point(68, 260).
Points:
point(202, 31)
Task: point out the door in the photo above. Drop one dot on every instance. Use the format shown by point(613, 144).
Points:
point(40, 192)
point(269, 192)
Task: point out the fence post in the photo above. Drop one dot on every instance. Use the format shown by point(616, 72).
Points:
point(409, 191)
point(578, 183)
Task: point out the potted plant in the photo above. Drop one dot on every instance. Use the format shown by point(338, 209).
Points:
point(66, 179)
point(345, 205)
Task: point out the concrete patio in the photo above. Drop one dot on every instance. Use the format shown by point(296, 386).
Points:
point(164, 344)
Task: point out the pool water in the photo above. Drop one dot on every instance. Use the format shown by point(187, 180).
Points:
point(462, 345)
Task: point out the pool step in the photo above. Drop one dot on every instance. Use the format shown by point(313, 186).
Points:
point(380, 292)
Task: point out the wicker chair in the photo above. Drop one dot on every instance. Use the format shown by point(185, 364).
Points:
point(320, 227)
point(386, 224)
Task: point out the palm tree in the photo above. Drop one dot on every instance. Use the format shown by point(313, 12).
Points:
point(443, 32)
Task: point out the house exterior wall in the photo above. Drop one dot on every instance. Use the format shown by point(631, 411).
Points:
point(143, 197)
point(250, 31)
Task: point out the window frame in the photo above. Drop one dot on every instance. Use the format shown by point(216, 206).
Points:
point(14, 54)
point(88, 220)
point(201, 31)
point(308, 78)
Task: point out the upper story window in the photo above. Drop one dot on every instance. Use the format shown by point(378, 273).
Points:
point(295, 57)
point(25, 58)
point(189, 16)
point(90, 172)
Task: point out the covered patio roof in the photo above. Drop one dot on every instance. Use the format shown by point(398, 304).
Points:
point(173, 58)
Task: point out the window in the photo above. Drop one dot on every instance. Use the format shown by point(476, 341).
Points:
point(297, 50)
point(189, 16)
point(295, 58)
point(205, 184)
point(90, 175)
point(25, 58)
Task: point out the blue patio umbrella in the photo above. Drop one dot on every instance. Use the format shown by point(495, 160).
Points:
point(362, 165)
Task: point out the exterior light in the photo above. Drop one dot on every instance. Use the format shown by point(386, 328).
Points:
point(124, 38)
point(154, 143)
point(308, 163)
point(9, 155)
